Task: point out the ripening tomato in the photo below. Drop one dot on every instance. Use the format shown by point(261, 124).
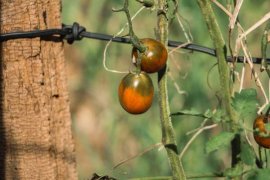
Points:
point(154, 58)
point(136, 93)
point(259, 124)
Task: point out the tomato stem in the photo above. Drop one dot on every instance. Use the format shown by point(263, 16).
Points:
point(224, 75)
point(138, 63)
point(168, 134)
point(133, 38)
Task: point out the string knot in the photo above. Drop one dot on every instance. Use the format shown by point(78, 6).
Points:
point(73, 33)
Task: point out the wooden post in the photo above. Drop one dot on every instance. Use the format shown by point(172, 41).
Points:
point(35, 125)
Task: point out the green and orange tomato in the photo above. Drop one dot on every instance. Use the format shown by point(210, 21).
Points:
point(261, 135)
point(154, 58)
point(136, 92)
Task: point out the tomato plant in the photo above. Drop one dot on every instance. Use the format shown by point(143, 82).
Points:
point(206, 104)
point(136, 93)
point(155, 56)
point(259, 135)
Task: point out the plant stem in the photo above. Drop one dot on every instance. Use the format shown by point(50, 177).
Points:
point(168, 135)
point(264, 44)
point(133, 38)
point(224, 75)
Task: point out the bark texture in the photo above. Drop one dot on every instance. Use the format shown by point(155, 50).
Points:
point(35, 125)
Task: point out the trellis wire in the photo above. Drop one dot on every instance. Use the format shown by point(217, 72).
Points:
point(77, 32)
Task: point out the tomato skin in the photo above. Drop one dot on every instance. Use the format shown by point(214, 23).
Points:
point(155, 56)
point(136, 92)
point(259, 124)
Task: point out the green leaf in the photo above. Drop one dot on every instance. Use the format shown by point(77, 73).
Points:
point(247, 154)
point(191, 112)
point(263, 174)
point(235, 171)
point(245, 103)
point(260, 174)
point(221, 140)
point(208, 113)
point(219, 115)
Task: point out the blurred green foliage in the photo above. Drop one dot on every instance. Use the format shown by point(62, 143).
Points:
point(104, 133)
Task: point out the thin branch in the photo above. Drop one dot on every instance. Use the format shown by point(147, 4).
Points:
point(235, 13)
point(194, 137)
point(187, 35)
point(178, 47)
point(227, 13)
point(177, 87)
point(222, 8)
point(157, 145)
point(133, 38)
point(242, 76)
point(109, 42)
point(201, 126)
point(255, 26)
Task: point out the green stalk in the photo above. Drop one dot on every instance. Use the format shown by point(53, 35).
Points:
point(264, 44)
point(168, 134)
point(224, 75)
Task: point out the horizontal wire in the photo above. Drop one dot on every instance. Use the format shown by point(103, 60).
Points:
point(69, 31)
point(193, 47)
point(31, 34)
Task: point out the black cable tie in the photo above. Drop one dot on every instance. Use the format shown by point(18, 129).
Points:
point(73, 32)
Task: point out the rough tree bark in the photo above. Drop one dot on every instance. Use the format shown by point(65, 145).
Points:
point(35, 125)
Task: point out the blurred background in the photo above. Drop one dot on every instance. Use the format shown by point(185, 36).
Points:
point(104, 133)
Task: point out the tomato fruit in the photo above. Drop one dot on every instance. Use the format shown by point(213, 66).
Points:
point(154, 58)
point(136, 92)
point(259, 124)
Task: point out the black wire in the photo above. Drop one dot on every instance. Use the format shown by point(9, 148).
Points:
point(106, 37)
point(31, 34)
point(77, 32)
point(193, 47)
